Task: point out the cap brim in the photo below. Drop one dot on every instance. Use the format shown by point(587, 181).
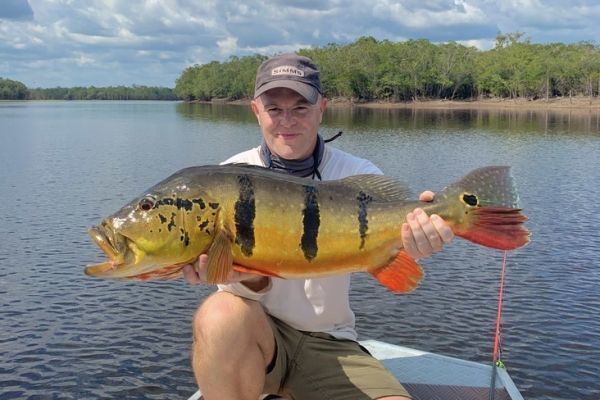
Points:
point(307, 91)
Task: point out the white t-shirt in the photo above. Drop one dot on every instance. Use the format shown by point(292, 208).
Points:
point(319, 304)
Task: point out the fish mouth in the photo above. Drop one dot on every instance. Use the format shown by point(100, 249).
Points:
point(114, 245)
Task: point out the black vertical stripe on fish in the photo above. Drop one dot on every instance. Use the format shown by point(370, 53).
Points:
point(363, 220)
point(245, 212)
point(310, 221)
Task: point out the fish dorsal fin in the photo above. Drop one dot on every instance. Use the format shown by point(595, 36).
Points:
point(220, 258)
point(380, 187)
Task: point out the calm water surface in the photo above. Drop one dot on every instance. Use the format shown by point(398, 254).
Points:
point(65, 165)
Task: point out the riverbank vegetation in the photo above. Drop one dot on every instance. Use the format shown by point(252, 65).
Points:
point(369, 70)
point(14, 90)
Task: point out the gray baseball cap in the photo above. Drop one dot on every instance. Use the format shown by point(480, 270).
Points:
point(291, 71)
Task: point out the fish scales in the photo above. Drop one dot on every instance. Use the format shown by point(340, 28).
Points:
point(313, 226)
point(282, 231)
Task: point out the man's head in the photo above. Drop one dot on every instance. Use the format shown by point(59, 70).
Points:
point(291, 71)
point(288, 105)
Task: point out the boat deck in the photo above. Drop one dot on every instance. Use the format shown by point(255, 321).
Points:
point(429, 376)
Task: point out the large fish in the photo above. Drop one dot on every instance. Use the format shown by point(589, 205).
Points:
point(256, 220)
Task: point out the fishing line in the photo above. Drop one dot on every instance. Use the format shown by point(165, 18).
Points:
point(496, 360)
point(317, 157)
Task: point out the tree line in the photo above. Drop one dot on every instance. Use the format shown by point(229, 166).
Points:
point(14, 90)
point(372, 70)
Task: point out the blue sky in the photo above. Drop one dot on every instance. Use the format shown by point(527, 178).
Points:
point(48, 43)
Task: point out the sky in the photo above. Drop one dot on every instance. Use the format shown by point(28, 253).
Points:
point(50, 43)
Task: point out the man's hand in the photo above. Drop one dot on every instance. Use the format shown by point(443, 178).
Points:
point(423, 235)
point(196, 273)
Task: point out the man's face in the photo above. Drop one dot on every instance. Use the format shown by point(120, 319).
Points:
point(288, 122)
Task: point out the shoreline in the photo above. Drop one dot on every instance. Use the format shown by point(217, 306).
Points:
point(554, 104)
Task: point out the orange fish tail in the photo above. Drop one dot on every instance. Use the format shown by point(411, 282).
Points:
point(497, 227)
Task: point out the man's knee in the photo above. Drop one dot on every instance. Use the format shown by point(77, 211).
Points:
point(225, 311)
point(225, 321)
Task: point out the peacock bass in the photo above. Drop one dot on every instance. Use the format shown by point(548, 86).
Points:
point(257, 220)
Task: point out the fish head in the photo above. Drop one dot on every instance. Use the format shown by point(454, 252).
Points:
point(159, 229)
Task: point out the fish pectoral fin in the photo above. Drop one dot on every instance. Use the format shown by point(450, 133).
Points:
point(101, 269)
point(403, 274)
point(241, 268)
point(220, 258)
point(165, 273)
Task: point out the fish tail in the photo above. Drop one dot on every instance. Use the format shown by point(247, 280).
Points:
point(403, 274)
point(497, 227)
point(487, 210)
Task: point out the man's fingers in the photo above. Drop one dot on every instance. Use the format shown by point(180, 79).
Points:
point(443, 230)
point(423, 235)
point(196, 273)
point(408, 241)
point(190, 274)
point(430, 233)
point(420, 238)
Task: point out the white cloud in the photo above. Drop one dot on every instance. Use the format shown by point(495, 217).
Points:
point(103, 42)
point(83, 59)
point(445, 14)
point(227, 46)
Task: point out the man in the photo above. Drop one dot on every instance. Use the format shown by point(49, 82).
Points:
point(294, 337)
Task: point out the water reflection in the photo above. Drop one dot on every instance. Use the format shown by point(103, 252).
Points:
point(517, 121)
point(216, 112)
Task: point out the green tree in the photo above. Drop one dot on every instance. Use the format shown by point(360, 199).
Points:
point(367, 70)
point(12, 90)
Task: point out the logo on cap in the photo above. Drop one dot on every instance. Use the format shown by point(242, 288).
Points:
point(287, 70)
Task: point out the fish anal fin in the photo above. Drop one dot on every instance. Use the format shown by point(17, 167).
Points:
point(220, 258)
point(241, 268)
point(402, 275)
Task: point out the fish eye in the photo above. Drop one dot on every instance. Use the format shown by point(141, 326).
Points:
point(470, 199)
point(146, 204)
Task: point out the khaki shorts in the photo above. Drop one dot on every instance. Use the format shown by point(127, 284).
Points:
point(317, 366)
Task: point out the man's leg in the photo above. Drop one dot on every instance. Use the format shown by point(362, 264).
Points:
point(325, 367)
point(233, 345)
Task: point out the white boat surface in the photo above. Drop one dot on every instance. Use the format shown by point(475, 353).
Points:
point(429, 376)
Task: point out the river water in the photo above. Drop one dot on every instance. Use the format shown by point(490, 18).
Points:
point(65, 165)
